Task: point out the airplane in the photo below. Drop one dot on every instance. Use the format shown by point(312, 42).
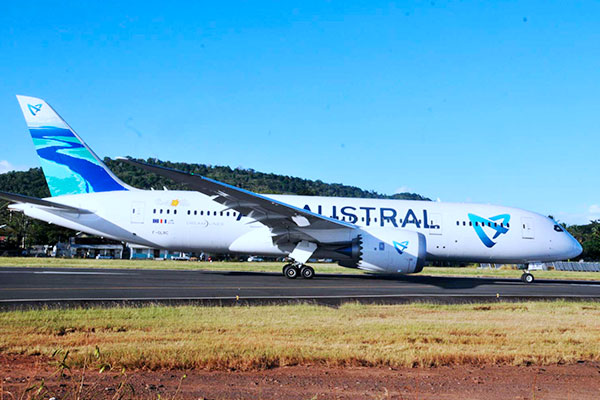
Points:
point(375, 235)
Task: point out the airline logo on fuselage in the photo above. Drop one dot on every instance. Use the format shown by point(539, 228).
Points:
point(34, 109)
point(498, 223)
point(382, 216)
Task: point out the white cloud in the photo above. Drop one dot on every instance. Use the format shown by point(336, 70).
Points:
point(402, 189)
point(6, 166)
point(583, 217)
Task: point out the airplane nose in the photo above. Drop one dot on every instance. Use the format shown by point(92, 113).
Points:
point(572, 248)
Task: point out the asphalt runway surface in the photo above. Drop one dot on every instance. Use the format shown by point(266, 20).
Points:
point(64, 286)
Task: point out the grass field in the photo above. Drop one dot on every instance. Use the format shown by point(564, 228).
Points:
point(471, 271)
point(244, 338)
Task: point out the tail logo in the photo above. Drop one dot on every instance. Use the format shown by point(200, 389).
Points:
point(498, 224)
point(34, 109)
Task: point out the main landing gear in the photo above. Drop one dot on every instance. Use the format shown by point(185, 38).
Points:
point(292, 271)
point(527, 277)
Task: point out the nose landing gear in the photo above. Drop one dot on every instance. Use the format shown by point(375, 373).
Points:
point(292, 271)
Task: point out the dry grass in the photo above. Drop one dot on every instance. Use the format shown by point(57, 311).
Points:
point(470, 271)
point(267, 336)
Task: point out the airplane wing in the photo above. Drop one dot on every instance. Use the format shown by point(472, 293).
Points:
point(19, 198)
point(278, 216)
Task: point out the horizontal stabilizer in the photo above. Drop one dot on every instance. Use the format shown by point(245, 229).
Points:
point(19, 198)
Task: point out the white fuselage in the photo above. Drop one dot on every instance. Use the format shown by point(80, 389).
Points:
point(191, 221)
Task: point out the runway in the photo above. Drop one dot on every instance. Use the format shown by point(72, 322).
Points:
point(64, 286)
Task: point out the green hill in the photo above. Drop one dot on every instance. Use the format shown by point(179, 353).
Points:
point(23, 230)
point(32, 182)
point(248, 179)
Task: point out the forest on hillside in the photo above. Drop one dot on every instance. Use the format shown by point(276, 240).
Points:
point(21, 231)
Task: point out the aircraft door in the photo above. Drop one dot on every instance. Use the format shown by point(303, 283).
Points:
point(527, 228)
point(137, 212)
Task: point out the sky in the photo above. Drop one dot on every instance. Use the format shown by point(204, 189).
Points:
point(466, 101)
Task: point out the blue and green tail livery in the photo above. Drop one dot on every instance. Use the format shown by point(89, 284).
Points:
point(69, 165)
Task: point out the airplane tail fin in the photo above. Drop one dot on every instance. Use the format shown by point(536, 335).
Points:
point(69, 165)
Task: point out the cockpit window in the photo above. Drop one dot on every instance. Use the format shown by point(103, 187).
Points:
point(558, 228)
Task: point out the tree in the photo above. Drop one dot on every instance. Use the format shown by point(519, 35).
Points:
point(22, 230)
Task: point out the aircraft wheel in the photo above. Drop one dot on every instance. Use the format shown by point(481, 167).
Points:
point(284, 267)
point(527, 277)
point(307, 272)
point(290, 272)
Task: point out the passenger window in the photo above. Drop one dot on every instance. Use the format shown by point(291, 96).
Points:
point(154, 212)
point(195, 212)
point(228, 213)
point(168, 211)
point(174, 211)
point(457, 223)
point(189, 212)
point(464, 223)
point(161, 210)
point(215, 213)
point(201, 212)
point(134, 210)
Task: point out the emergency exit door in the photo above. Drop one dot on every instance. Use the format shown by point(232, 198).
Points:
point(527, 228)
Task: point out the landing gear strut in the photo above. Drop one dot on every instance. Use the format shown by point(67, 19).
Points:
point(292, 271)
point(527, 277)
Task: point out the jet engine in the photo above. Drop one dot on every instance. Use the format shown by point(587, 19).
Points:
point(389, 251)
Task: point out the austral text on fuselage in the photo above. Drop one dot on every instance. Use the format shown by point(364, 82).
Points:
point(377, 215)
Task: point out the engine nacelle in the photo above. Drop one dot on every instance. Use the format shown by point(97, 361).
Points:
point(392, 251)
